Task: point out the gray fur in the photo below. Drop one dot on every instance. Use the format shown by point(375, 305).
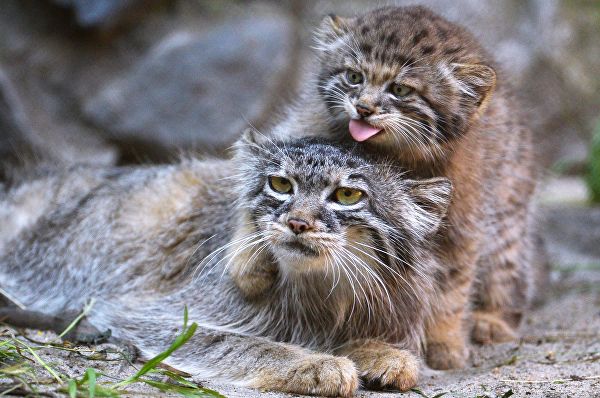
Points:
point(145, 242)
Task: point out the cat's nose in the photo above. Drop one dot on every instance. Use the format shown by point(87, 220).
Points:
point(298, 226)
point(364, 110)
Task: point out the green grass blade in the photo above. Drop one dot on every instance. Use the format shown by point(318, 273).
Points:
point(180, 340)
point(41, 362)
point(507, 394)
point(189, 392)
point(419, 392)
point(72, 389)
point(91, 373)
point(85, 311)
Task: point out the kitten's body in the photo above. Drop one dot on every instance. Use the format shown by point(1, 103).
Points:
point(146, 242)
point(457, 121)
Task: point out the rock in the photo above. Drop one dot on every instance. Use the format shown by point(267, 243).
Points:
point(16, 140)
point(90, 13)
point(196, 90)
point(572, 235)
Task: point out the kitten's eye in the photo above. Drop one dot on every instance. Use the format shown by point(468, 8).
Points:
point(401, 90)
point(347, 196)
point(280, 184)
point(354, 77)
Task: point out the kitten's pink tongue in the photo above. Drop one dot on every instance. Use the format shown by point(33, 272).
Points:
point(362, 131)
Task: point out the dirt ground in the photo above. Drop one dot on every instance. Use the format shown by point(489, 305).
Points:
point(557, 356)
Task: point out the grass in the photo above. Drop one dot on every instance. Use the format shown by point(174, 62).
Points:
point(593, 177)
point(24, 372)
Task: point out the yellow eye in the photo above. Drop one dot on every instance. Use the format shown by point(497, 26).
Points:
point(280, 184)
point(401, 90)
point(354, 77)
point(347, 196)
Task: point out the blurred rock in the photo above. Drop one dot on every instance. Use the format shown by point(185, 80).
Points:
point(90, 13)
point(572, 234)
point(190, 74)
point(14, 135)
point(196, 89)
point(21, 145)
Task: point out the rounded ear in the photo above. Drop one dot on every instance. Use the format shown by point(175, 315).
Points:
point(249, 144)
point(330, 29)
point(249, 136)
point(476, 81)
point(430, 200)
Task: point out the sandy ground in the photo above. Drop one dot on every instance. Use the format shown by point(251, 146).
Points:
point(557, 356)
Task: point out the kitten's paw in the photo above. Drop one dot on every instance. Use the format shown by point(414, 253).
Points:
point(391, 368)
point(447, 355)
point(489, 328)
point(317, 374)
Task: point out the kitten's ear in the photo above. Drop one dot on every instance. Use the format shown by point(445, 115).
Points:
point(331, 28)
point(477, 81)
point(430, 199)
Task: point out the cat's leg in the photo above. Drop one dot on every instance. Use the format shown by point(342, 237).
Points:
point(255, 279)
point(383, 365)
point(446, 331)
point(261, 363)
point(503, 283)
point(83, 332)
point(251, 269)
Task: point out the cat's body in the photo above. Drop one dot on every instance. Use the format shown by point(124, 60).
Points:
point(418, 89)
point(145, 242)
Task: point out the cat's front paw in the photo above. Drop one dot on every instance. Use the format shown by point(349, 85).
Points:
point(254, 283)
point(489, 328)
point(392, 368)
point(316, 374)
point(447, 355)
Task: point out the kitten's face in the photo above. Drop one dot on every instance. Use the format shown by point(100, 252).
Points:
point(318, 208)
point(402, 77)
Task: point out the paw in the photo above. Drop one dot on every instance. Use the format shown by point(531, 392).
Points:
point(253, 286)
point(489, 328)
point(255, 283)
point(323, 375)
point(391, 368)
point(448, 355)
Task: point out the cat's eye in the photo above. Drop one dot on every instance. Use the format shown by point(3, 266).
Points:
point(347, 196)
point(401, 90)
point(354, 77)
point(280, 184)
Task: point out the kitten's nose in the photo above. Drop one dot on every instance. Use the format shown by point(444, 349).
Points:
point(364, 110)
point(298, 226)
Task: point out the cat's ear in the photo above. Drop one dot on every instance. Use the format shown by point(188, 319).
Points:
point(250, 143)
point(476, 81)
point(429, 203)
point(331, 28)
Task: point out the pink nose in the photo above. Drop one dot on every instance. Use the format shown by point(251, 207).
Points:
point(363, 110)
point(298, 226)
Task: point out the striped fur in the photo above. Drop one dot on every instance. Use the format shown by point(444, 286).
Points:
point(453, 116)
point(353, 297)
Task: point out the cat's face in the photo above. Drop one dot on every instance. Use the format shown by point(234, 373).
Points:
point(318, 208)
point(402, 77)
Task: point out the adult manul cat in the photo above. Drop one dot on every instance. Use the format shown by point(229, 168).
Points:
point(349, 237)
point(413, 87)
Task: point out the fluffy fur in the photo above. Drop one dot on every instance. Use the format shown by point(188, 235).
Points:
point(355, 290)
point(444, 110)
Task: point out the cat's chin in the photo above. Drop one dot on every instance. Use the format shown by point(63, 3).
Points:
point(295, 260)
